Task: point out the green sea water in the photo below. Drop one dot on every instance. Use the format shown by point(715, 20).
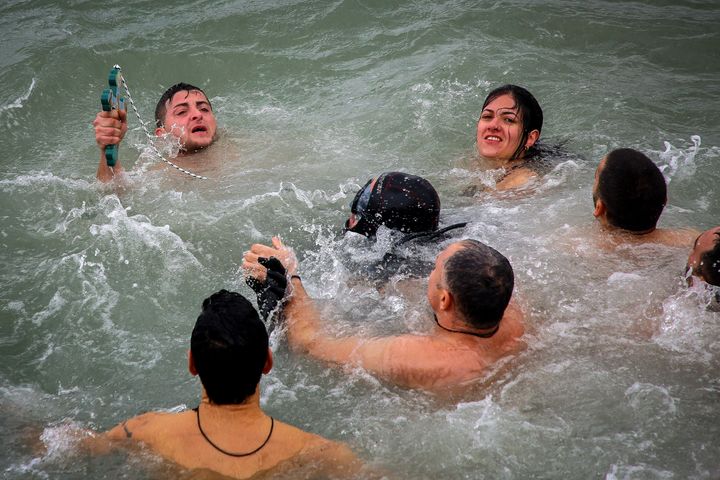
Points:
point(100, 287)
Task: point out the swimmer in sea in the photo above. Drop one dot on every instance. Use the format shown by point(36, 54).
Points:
point(704, 260)
point(469, 292)
point(405, 203)
point(399, 201)
point(228, 432)
point(507, 133)
point(183, 111)
point(629, 194)
point(396, 200)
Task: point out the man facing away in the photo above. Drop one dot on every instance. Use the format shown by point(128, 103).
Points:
point(228, 432)
point(183, 111)
point(469, 292)
point(629, 194)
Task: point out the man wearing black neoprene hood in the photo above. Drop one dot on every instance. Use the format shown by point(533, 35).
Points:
point(397, 200)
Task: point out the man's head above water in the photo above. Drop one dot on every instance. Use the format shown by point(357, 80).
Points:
point(704, 259)
point(396, 200)
point(185, 111)
point(472, 281)
point(229, 348)
point(629, 191)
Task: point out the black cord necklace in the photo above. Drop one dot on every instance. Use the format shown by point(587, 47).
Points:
point(231, 454)
point(488, 334)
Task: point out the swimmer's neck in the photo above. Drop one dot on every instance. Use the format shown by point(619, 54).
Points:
point(621, 231)
point(449, 325)
point(187, 153)
point(249, 410)
point(505, 163)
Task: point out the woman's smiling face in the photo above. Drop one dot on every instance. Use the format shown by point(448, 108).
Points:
point(500, 129)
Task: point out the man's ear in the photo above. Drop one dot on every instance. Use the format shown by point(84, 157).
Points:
point(268, 362)
point(531, 139)
point(600, 209)
point(191, 364)
point(446, 300)
point(160, 131)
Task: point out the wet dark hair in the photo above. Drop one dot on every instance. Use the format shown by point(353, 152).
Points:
point(633, 190)
point(399, 201)
point(481, 281)
point(709, 268)
point(229, 346)
point(161, 107)
point(530, 112)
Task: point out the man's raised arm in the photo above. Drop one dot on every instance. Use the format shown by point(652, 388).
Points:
point(110, 129)
point(305, 329)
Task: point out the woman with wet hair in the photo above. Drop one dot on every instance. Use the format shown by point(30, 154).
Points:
point(507, 133)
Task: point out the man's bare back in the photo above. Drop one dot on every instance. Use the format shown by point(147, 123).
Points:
point(176, 437)
point(446, 362)
point(454, 354)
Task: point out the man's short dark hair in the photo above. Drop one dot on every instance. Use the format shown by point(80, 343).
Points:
point(481, 281)
point(229, 346)
point(161, 107)
point(633, 190)
point(709, 268)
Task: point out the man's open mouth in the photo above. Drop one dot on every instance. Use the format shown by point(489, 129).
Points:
point(198, 128)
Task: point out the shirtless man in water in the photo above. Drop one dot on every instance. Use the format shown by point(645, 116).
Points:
point(629, 194)
point(183, 111)
point(228, 432)
point(469, 292)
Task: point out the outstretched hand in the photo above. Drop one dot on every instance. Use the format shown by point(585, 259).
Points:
point(284, 254)
point(265, 272)
point(271, 291)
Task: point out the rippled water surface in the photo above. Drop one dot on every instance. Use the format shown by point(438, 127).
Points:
point(100, 287)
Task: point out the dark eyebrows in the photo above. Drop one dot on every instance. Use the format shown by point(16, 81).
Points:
point(199, 103)
point(503, 110)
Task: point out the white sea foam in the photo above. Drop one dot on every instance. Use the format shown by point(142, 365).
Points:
point(125, 229)
point(623, 277)
point(61, 440)
point(41, 178)
point(650, 400)
point(56, 304)
point(18, 102)
point(679, 162)
point(626, 472)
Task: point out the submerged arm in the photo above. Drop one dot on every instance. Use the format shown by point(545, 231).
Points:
point(305, 329)
point(305, 332)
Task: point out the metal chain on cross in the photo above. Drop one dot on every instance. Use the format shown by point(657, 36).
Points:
point(116, 69)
